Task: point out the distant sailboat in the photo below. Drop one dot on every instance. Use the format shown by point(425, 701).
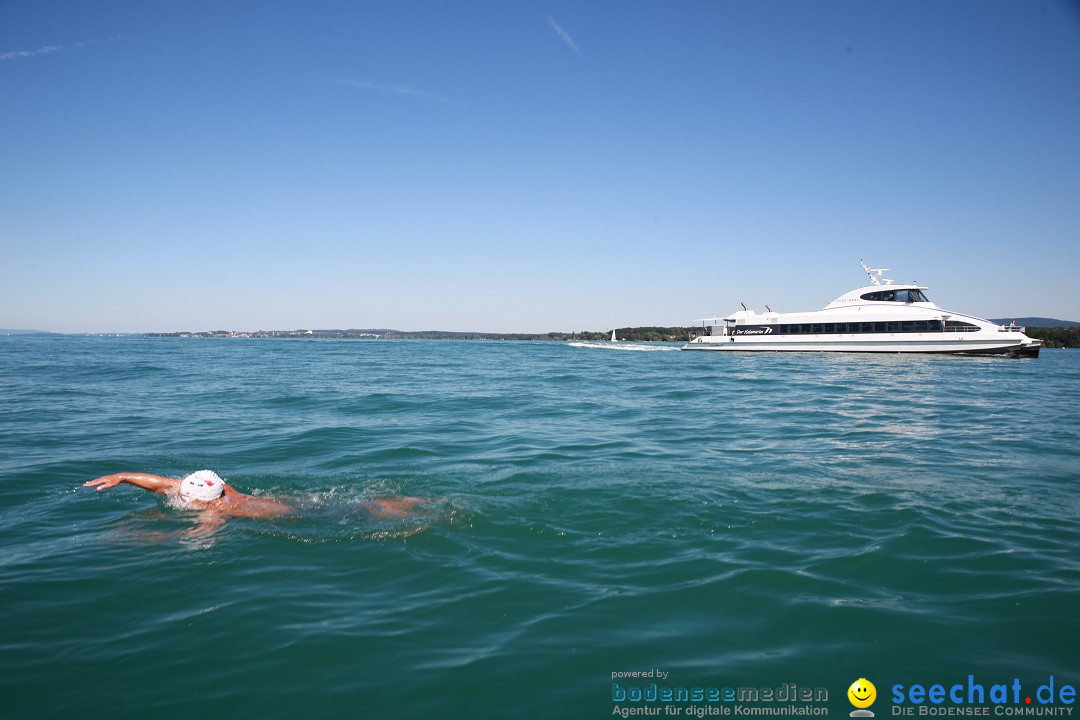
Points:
point(613, 338)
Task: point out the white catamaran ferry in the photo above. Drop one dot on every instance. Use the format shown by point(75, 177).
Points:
point(882, 317)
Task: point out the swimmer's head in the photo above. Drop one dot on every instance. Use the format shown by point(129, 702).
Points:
point(202, 485)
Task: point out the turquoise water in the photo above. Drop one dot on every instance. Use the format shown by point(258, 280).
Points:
point(734, 520)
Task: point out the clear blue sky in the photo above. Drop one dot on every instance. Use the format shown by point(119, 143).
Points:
point(530, 166)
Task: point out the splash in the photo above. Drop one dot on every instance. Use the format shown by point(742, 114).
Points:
point(348, 514)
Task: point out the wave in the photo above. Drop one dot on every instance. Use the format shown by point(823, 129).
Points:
point(622, 346)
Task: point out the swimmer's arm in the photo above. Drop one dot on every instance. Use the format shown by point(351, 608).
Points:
point(153, 483)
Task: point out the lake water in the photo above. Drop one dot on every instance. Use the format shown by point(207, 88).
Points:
point(732, 520)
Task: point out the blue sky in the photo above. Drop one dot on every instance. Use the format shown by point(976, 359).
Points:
point(529, 166)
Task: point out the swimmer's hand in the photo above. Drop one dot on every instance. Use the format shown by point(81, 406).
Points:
point(105, 481)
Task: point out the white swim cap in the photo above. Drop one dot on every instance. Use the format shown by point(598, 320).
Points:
point(202, 485)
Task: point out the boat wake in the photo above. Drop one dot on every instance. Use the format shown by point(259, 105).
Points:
point(634, 347)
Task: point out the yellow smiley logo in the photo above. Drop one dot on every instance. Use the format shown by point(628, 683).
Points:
point(862, 693)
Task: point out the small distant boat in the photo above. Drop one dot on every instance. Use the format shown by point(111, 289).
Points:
point(613, 338)
point(881, 317)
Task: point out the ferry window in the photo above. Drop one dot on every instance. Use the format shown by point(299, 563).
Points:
point(828, 327)
point(933, 326)
point(866, 327)
point(894, 327)
point(841, 327)
point(881, 327)
point(816, 328)
point(904, 296)
point(920, 326)
point(907, 327)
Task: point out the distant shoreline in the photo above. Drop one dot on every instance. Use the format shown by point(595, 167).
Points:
point(1066, 335)
point(643, 334)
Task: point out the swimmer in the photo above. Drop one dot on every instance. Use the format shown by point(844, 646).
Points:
point(216, 500)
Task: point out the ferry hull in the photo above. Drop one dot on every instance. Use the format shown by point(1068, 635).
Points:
point(864, 344)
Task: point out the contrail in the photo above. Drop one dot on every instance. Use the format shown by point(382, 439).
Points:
point(563, 34)
point(43, 50)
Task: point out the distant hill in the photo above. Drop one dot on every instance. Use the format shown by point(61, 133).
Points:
point(1038, 322)
point(6, 331)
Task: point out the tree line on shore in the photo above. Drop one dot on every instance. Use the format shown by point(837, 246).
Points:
point(1056, 337)
point(642, 334)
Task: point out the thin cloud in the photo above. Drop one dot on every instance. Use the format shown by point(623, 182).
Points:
point(43, 50)
point(563, 34)
point(395, 89)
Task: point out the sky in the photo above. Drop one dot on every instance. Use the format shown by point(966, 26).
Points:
point(530, 166)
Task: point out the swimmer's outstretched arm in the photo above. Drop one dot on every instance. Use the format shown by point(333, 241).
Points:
point(154, 483)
